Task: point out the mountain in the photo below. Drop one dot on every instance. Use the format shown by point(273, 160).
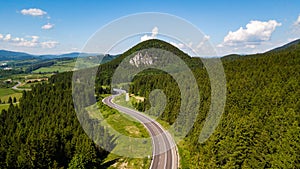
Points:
point(259, 127)
point(157, 44)
point(293, 46)
point(11, 55)
point(290, 46)
point(68, 55)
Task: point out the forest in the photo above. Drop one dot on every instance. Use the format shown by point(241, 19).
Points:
point(259, 127)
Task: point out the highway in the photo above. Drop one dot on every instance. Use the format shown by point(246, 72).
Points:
point(164, 149)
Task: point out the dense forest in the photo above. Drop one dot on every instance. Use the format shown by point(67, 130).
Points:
point(43, 131)
point(259, 127)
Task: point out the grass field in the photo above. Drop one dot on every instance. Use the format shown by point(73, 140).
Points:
point(69, 65)
point(61, 66)
point(5, 93)
point(5, 106)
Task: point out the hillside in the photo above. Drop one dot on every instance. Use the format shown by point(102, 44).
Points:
point(260, 124)
point(293, 46)
point(6, 55)
point(259, 127)
point(10, 55)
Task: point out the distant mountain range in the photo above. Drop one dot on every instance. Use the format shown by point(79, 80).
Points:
point(11, 55)
point(292, 46)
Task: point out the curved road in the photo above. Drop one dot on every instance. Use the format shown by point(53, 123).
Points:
point(15, 87)
point(164, 154)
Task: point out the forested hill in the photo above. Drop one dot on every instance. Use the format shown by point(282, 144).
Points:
point(259, 127)
point(43, 131)
point(293, 46)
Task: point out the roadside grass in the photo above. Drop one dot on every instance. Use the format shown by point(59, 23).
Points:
point(127, 126)
point(182, 145)
point(130, 163)
point(122, 123)
point(122, 101)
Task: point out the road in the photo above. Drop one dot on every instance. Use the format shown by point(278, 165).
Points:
point(164, 149)
point(15, 87)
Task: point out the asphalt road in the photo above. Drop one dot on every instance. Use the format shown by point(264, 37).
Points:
point(164, 154)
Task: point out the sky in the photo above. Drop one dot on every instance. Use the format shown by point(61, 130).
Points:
point(61, 26)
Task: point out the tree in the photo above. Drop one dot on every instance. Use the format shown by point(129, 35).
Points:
point(77, 162)
point(10, 100)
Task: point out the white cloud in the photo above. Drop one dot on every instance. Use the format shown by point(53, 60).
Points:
point(33, 12)
point(1, 36)
point(255, 32)
point(152, 36)
point(297, 22)
point(29, 41)
point(47, 26)
point(250, 46)
point(7, 37)
point(49, 44)
point(204, 40)
point(16, 39)
point(35, 38)
point(154, 31)
point(33, 42)
point(193, 48)
point(178, 45)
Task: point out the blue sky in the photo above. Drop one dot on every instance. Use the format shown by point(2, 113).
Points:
point(58, 26)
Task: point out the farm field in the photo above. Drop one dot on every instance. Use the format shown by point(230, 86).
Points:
point(61, 66)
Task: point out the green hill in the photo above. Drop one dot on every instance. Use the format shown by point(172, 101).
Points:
point(294, 45)
point(258, 128)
